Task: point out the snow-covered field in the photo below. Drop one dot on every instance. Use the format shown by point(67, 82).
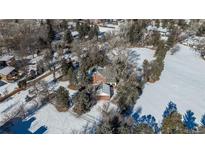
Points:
point(182, 81)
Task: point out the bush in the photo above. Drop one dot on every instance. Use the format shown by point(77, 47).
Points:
point(22, 84)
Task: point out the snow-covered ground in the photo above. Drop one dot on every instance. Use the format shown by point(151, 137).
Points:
point(182, 81)
point(7, 88)
point(138, 55)
point(48, 117)
point(193, 41)
point(65, 122)
point(135, 56)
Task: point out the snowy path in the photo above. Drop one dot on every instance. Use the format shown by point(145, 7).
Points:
point(182, 81)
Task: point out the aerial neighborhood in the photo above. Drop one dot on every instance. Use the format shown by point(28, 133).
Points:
point(102, 76)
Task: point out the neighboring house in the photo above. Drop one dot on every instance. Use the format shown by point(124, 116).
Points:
point(8, 73)
point(104, 75)
point(104, 92)
point(98, 78)
point(7, 60)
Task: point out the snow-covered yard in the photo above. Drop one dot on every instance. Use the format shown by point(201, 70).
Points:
point(65, 122)
point(182, 81)
point(48, 118)
point(136, 56)
point(8, 87)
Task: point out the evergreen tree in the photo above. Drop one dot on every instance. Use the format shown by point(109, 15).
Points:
point(201, 30)
point(170, 109)
point(146, 70)
point(173, 37)
point(136, 31)
point(157, 23)
point(66, 66)
point(62, 99)
point(165, 23)
point(173, 124)
point(203, 120)
point(182, 23)
point(51, 32)
point(142, 129)
point(189, 121)
point(201, 129)
point(68, 36)
point(147, 120)
point(84, 100)
point(155, 38)
point(127, 94)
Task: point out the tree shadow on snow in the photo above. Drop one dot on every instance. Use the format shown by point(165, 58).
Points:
point(19, 126)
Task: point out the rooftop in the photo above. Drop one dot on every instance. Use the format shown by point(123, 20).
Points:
point(104, 90)
point(6, 70)
point(6, 58)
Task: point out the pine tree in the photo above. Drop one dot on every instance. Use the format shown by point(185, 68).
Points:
point(136, 31)
point(203, 120)
point(157, 23)
point(201, 129)
point(51, 32)
point(146, 70)
point(84, 100)
point(62, 99)
point(173, 124)
point(68, 36)
point(155, 38)
point(201, 30)
point(173, 37)
point(170, 109)
point(189, 121)
point(142, 129)
point(127, 94)
point(182, 23)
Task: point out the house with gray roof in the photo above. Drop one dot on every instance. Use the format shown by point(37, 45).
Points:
point(104, 92)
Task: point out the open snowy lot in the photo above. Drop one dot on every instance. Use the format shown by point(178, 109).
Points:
point(182, 81)
point(136, 56)
point(65, 122)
